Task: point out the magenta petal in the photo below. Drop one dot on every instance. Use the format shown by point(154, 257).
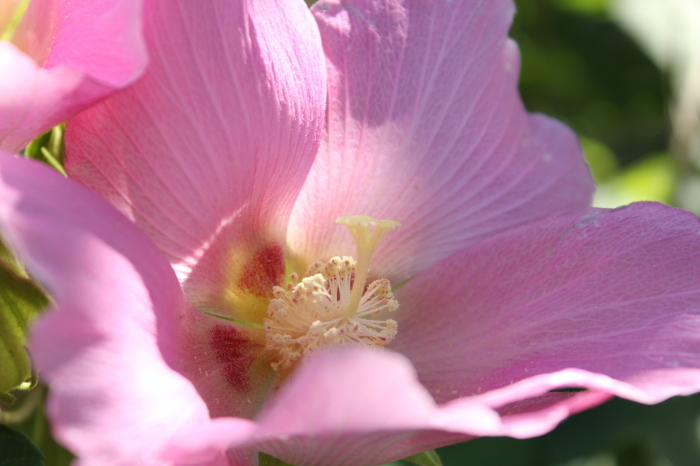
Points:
point(71, 54)
point(108, 349)
point(425, 126)
point(614, 293)
point(223, 125)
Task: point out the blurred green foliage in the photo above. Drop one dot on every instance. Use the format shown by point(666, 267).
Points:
point(582, 6)
point(619, 433)
point(653, 178)
point(36, 427)
point(17, 449)
point(582, 69)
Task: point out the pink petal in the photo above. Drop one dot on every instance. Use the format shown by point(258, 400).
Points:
point(109, 348)
point(612, 293)
point(227, 363)
point(425, 126)
point(71, 54)
point(356, 407)
point(361, 408)
point(222, 128)
point(537, 409)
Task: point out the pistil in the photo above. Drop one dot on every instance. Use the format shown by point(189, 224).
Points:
point(368, 233)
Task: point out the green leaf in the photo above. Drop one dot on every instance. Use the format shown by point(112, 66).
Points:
point(8, 260)
point(49, 148)
point(37, 428)
point(591, 7)
point(427, 458)
point(20, 301)
point(267, 460)
point(33, 149)
point(17, 449)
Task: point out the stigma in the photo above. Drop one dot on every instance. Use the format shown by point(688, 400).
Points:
point(332, 305)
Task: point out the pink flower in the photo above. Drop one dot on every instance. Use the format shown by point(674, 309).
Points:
point(63, 56)
point(223, 173)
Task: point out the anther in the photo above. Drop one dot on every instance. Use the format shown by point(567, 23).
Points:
point(330, 305)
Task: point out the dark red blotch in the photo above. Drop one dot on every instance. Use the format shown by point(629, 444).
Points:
point(263, 271)
point(235, 352)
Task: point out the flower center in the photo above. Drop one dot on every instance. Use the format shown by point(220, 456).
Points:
point(331, 306)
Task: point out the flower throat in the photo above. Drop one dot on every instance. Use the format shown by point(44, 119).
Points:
point(331, 306)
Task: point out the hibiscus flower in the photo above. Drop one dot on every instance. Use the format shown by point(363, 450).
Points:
point(208, 306)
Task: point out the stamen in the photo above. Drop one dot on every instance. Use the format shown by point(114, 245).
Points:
point(368, 233)
point(330, 306)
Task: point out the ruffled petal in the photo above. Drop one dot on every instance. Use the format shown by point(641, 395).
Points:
point(222, 128)
point(64, 56)
point(613, 294)
point(109, 349)
point(356, 407)
point(361, 408)
point(425, 126)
